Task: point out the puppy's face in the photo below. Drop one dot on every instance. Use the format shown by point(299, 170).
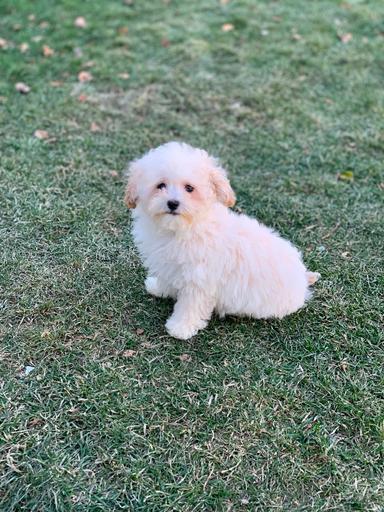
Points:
point(176, 184)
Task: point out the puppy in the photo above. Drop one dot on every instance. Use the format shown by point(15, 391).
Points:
point(201, 253)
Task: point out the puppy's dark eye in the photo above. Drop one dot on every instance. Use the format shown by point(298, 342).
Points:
point(160, 186)
point(189, 188)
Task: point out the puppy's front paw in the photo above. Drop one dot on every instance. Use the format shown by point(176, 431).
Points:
point(182, 331)
point(152, 286)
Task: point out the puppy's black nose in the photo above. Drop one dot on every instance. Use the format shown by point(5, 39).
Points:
point(172, 205)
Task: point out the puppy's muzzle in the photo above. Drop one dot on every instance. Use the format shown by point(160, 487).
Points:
point(173, 205)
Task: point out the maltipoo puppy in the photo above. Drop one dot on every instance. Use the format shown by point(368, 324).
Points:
point(201, 253)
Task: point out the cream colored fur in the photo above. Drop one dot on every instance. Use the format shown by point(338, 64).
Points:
point(205, 256)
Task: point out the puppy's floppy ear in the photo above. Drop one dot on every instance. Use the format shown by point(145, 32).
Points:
point(220, 184)
point(131, 192)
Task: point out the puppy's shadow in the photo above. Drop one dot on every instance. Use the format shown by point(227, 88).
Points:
point(229, 337)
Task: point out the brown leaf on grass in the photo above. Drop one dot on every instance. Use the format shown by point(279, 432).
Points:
point(84, 76)
point(165, 43)
point(95, 127)
point(22, 88)
point(3, 43)
point(122, 31)
point(33, 422)
point(129, 353)
point(185, 357)
point(227, 27)
point(115, 174)
point(47, 51)
point(56, 83)
point(24, 47)
point(80, 22)
point(41, 134)
point(345, 38)
point(82, 98)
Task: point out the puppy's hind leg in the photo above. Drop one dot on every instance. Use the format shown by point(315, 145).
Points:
point(157, 288)
point(191, 313)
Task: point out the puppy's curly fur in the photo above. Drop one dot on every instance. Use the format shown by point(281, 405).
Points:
point(202, 254)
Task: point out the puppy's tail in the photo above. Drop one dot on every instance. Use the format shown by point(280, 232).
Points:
point(312, 277)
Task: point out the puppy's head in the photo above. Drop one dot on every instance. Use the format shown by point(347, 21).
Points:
point(176, 184)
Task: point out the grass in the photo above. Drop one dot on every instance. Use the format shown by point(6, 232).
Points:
point(250, 415)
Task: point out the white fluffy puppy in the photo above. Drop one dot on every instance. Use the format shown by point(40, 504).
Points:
point(202, 254)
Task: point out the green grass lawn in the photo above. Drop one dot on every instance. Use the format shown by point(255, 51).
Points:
point(249, 415)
